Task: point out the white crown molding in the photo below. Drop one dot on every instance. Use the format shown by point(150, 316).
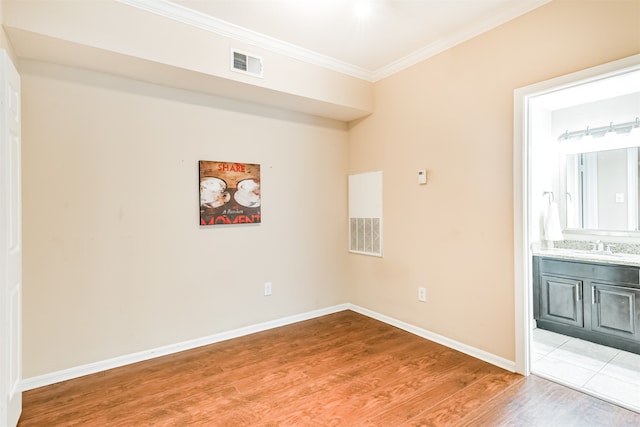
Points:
point(517, 9)
point(194, 18)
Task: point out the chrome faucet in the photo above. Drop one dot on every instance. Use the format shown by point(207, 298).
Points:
point(598, 246)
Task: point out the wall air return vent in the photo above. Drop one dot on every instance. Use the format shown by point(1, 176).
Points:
point(246, 63)
point(365, 213)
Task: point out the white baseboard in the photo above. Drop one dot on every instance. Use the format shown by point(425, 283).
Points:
point(92, 368)
point(508, 365)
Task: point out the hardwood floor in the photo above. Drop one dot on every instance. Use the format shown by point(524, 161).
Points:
point(339, 370)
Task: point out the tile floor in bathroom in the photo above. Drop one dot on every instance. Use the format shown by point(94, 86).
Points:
point(605, 372)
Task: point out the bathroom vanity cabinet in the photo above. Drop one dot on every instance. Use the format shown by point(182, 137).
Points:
point(591, 301)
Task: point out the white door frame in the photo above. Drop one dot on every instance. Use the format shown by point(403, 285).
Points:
point(10, 244)
point(522, 191)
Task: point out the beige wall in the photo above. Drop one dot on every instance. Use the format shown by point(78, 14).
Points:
point(114, 259)
point(453, 114)
point(4, 42)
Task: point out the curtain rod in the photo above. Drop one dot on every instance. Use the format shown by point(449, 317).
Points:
point(601, 131)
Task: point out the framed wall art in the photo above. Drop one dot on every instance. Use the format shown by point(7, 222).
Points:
point(229, 193)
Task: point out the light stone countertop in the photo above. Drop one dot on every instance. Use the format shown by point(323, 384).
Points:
point(589, 256)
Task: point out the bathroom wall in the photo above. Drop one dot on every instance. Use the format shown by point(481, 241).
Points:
point(453, 115)
point(115, 261)
point(617, 109)
point(544, 159)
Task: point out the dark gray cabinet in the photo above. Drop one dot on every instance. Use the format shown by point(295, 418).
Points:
point(591, 301)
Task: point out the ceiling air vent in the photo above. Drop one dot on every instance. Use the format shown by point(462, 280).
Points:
point(246, 63)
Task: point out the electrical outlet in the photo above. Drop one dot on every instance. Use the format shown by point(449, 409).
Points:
point(267, 288)
point(422, 294)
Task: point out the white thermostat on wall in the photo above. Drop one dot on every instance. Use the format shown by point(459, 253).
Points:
point(422, 176)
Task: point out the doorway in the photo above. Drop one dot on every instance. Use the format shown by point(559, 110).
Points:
point(531, 107)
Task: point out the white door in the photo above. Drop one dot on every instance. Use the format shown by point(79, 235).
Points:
point(10, 245)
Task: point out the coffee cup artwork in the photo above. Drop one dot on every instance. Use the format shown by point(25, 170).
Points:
point(213, 192)
point(229, 193)
point(248, 193)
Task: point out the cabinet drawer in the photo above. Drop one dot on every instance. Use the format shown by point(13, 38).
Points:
point(608, 273)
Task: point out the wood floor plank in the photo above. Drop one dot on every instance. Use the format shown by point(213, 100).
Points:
point(409, 402)
point(456, 407)
point(342, 369)
point(538, 402)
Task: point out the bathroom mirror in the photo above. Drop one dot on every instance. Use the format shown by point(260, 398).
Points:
point(601, 190)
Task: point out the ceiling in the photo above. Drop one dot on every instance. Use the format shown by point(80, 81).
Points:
point(385, 37)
